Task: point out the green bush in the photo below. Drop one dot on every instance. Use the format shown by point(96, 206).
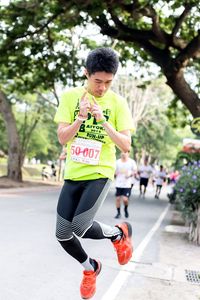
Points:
point(187, 191)
point(185, 157)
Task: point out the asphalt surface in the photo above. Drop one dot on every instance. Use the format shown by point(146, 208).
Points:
point(34, 266)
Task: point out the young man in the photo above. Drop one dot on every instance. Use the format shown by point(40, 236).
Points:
point(160, 177)
point(125, 171)
point(144, 172)
point(92, 120)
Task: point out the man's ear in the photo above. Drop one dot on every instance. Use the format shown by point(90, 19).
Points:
point(86, 73)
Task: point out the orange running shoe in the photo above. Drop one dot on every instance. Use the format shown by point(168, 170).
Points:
point(124, 247)
point(88, 284)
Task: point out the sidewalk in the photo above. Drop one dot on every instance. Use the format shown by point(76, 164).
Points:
point(25, 186)
point(165, 276)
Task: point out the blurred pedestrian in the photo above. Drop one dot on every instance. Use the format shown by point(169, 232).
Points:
point(44, 173)
point(53, 171)
point(174, 175)
point(144, 171)
point(125, 171)
point(160, 177)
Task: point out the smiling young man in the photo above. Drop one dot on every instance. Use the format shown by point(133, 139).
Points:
point(92, 120)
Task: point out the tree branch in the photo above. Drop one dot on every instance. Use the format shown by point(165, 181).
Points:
point(191, 51)
point(181, 19)
point(121, 29)
point(142, 38)
point(161, 35)
point(40, 29)
point(55, 95)
point(12, 38)
point(105, 28)
point(45, 98)
point(136, 10)
point(131, 8)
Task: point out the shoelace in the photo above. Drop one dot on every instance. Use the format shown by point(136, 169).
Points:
point(87, 281)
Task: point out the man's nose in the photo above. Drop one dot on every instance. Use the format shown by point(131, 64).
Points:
point(103, 87)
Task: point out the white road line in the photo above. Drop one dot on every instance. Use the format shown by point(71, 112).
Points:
point(127, 270)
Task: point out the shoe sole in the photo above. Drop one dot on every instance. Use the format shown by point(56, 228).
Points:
point(129, 229)
point(100, 267)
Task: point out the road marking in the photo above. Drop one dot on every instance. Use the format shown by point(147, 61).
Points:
point(126, 271)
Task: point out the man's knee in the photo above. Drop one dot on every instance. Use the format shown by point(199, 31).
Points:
point(79, 227)
point(63, 229)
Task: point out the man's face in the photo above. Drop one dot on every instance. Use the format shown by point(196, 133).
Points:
point(98, 83)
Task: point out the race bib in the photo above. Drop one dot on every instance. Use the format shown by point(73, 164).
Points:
point(86, 151)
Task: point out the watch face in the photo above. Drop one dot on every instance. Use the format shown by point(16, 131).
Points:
point(195, 126)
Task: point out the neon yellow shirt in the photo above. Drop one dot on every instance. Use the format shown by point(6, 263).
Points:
point(116, 112)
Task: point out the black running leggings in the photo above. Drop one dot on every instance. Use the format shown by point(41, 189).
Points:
point(78, 204)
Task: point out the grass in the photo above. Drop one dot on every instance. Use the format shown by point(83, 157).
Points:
point(28, 171)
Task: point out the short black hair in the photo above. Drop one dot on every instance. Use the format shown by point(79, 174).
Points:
point(102, 60)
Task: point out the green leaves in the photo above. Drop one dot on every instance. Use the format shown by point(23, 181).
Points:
point(36, 46)
point(188, 191)
point(177, 114)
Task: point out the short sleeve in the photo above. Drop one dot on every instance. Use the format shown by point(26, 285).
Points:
point(63, 110)
point(124, 120)
point(134, 165)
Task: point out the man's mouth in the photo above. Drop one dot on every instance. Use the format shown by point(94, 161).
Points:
point(100, 93)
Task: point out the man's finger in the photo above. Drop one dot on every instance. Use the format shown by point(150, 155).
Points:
point(93, 99)
point(83, 96)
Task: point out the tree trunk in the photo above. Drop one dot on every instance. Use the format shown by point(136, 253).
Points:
point(194, 234)
point(183, 91)
point(14, 171)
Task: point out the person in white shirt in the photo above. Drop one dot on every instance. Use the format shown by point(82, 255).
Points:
point(160, 177)
point(144, 172)
point(125, 170)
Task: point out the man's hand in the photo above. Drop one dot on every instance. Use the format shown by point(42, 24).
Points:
point(96, 111)
point(85, 106)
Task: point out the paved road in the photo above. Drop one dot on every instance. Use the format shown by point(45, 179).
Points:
point(34, 266)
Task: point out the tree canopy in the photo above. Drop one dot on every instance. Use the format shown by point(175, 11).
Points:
point(163, 32)
point(43, 43)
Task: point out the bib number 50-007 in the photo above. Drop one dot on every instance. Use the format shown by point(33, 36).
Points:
point(86, 151)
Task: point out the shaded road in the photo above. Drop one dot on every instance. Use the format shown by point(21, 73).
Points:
point(35, 267)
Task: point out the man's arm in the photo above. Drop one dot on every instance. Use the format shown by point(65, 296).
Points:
point(122, 139)
point(66, 132)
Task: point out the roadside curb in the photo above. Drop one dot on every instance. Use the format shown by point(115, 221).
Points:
point(38, 188)
point(174, 273)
